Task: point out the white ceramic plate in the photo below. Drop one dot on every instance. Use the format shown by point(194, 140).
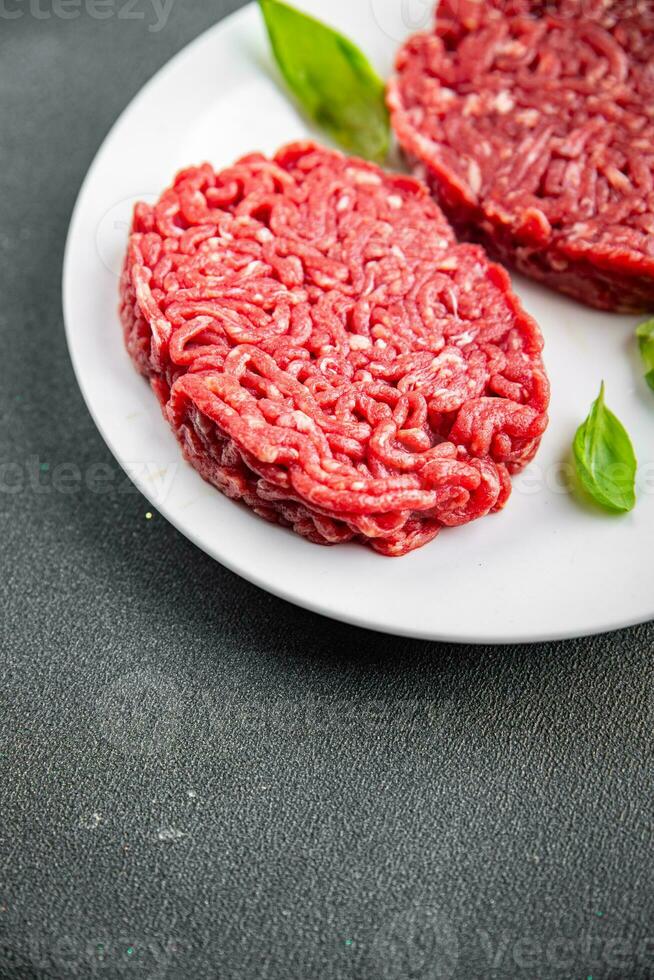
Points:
point(545, 568)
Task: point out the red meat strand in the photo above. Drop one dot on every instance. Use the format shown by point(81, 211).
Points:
point(533, 122)
point(327, 353)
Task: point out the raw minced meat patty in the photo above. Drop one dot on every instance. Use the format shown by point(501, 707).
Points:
point(327, 353)
point(533, 121)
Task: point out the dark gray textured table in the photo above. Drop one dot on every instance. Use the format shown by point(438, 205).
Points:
point(201, 781)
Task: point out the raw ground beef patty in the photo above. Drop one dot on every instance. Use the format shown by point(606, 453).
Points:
point(327, 353)
point(533, 121)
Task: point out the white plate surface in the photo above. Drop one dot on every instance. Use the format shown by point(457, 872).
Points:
point(547, 567)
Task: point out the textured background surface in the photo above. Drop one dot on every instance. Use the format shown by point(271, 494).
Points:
point(201, 781)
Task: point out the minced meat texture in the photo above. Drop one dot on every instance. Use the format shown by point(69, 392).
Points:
point(327, 353)
point(533, 122)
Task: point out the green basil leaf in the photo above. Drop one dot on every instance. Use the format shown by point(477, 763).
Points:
point(605, 459)
point(645, 334)
point(331, 78)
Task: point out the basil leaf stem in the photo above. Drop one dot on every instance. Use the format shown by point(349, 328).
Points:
point(605, 459)
point(331, 79)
